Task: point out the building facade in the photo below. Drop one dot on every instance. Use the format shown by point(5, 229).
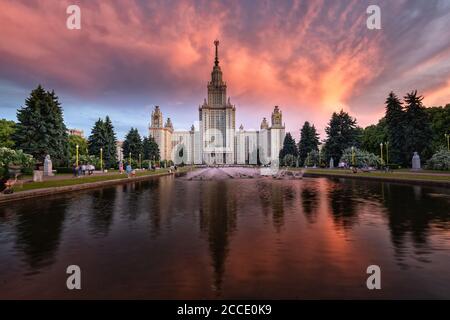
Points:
point(215, 140)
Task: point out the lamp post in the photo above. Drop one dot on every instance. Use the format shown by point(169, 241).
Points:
point(129, 156)
point(140, 162)
point(381, 148)
point(353, 156)
point(387, 152)
point(447, 136)
point(101, 159)
point(76, 157)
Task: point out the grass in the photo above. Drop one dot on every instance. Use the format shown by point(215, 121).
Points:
point(402, 175)
point(88, 179)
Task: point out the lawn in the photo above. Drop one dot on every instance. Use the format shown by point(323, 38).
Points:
point(401, 175)
point(88, 179)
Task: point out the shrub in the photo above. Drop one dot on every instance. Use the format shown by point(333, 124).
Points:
point(440, 160)
point(13, 158)
point(362, 158)
point(289, 160)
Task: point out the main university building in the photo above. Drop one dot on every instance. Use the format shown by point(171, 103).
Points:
point(215, 140)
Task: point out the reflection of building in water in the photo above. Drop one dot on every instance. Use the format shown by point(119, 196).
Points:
point(218, 221)
point(215, 140)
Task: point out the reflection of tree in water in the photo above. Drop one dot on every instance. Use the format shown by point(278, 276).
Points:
point(38, 229)
point(276, 195)
point(310, 201)
point(343, 204)
point(154, 210)
point(281, 192)
point(218, 220)
point(411, 210)
point(264, 191)
point(101, 212)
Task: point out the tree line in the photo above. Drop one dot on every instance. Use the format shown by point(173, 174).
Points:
point(40, 130)
point(407, 127)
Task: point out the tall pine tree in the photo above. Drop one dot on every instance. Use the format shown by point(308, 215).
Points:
point(289, 147)
point(40, 128)
point(103, 137)
point(150, 148)
point(309, 141)
point(342, 133)
point(133, 144)
point(109, 150)
point(97, 139)
point(395, 124)
point(418, 134)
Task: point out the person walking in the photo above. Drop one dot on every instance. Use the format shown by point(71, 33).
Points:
point(129, 169)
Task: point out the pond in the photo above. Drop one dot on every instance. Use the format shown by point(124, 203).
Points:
point(253, 237)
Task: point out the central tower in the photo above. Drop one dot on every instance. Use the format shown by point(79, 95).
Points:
point(217, 119)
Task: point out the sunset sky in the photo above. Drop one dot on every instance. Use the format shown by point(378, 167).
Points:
point(309, 57)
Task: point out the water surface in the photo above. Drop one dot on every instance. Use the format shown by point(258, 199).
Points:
point(230, 238)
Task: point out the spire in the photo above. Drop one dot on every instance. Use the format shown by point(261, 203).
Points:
point(216, 61)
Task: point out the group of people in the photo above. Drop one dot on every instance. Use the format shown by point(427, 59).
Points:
point(130, 171)
point(82, 169)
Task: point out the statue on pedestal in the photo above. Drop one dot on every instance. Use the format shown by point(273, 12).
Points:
point(416, 161)
point(48, 166)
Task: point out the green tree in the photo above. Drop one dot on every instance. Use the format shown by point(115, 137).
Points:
point(97, 139)
point(373, 135)
point(418, 134)
point(440, 125)
point(309, 141)
point(75, 140)
point(440, 160)
point(362, 158)
point(110, 148)
point(342, 133)
point(133, 144)
point(289, 160)
point(150, 148)
point(40, 129)
point(12, 158)
point(7, 129)
point(312, 158)
point(395, 126)
point(289, 147)
point(103, 137)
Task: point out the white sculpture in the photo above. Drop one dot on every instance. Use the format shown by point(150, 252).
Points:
point(48, 166)
point(416, 161)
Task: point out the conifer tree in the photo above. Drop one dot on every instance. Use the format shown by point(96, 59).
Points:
point(40, 129)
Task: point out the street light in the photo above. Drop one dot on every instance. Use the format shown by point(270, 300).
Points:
point(129, 155)
point(140, 162)
point(387, 152)
point(76, 157)
point(447, 136)
point(381, 148)
point(353, 156)
point(101, 159)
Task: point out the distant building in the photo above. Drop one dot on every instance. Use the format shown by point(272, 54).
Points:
point(76, 132)
point(216, 140)
point(119, 150)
